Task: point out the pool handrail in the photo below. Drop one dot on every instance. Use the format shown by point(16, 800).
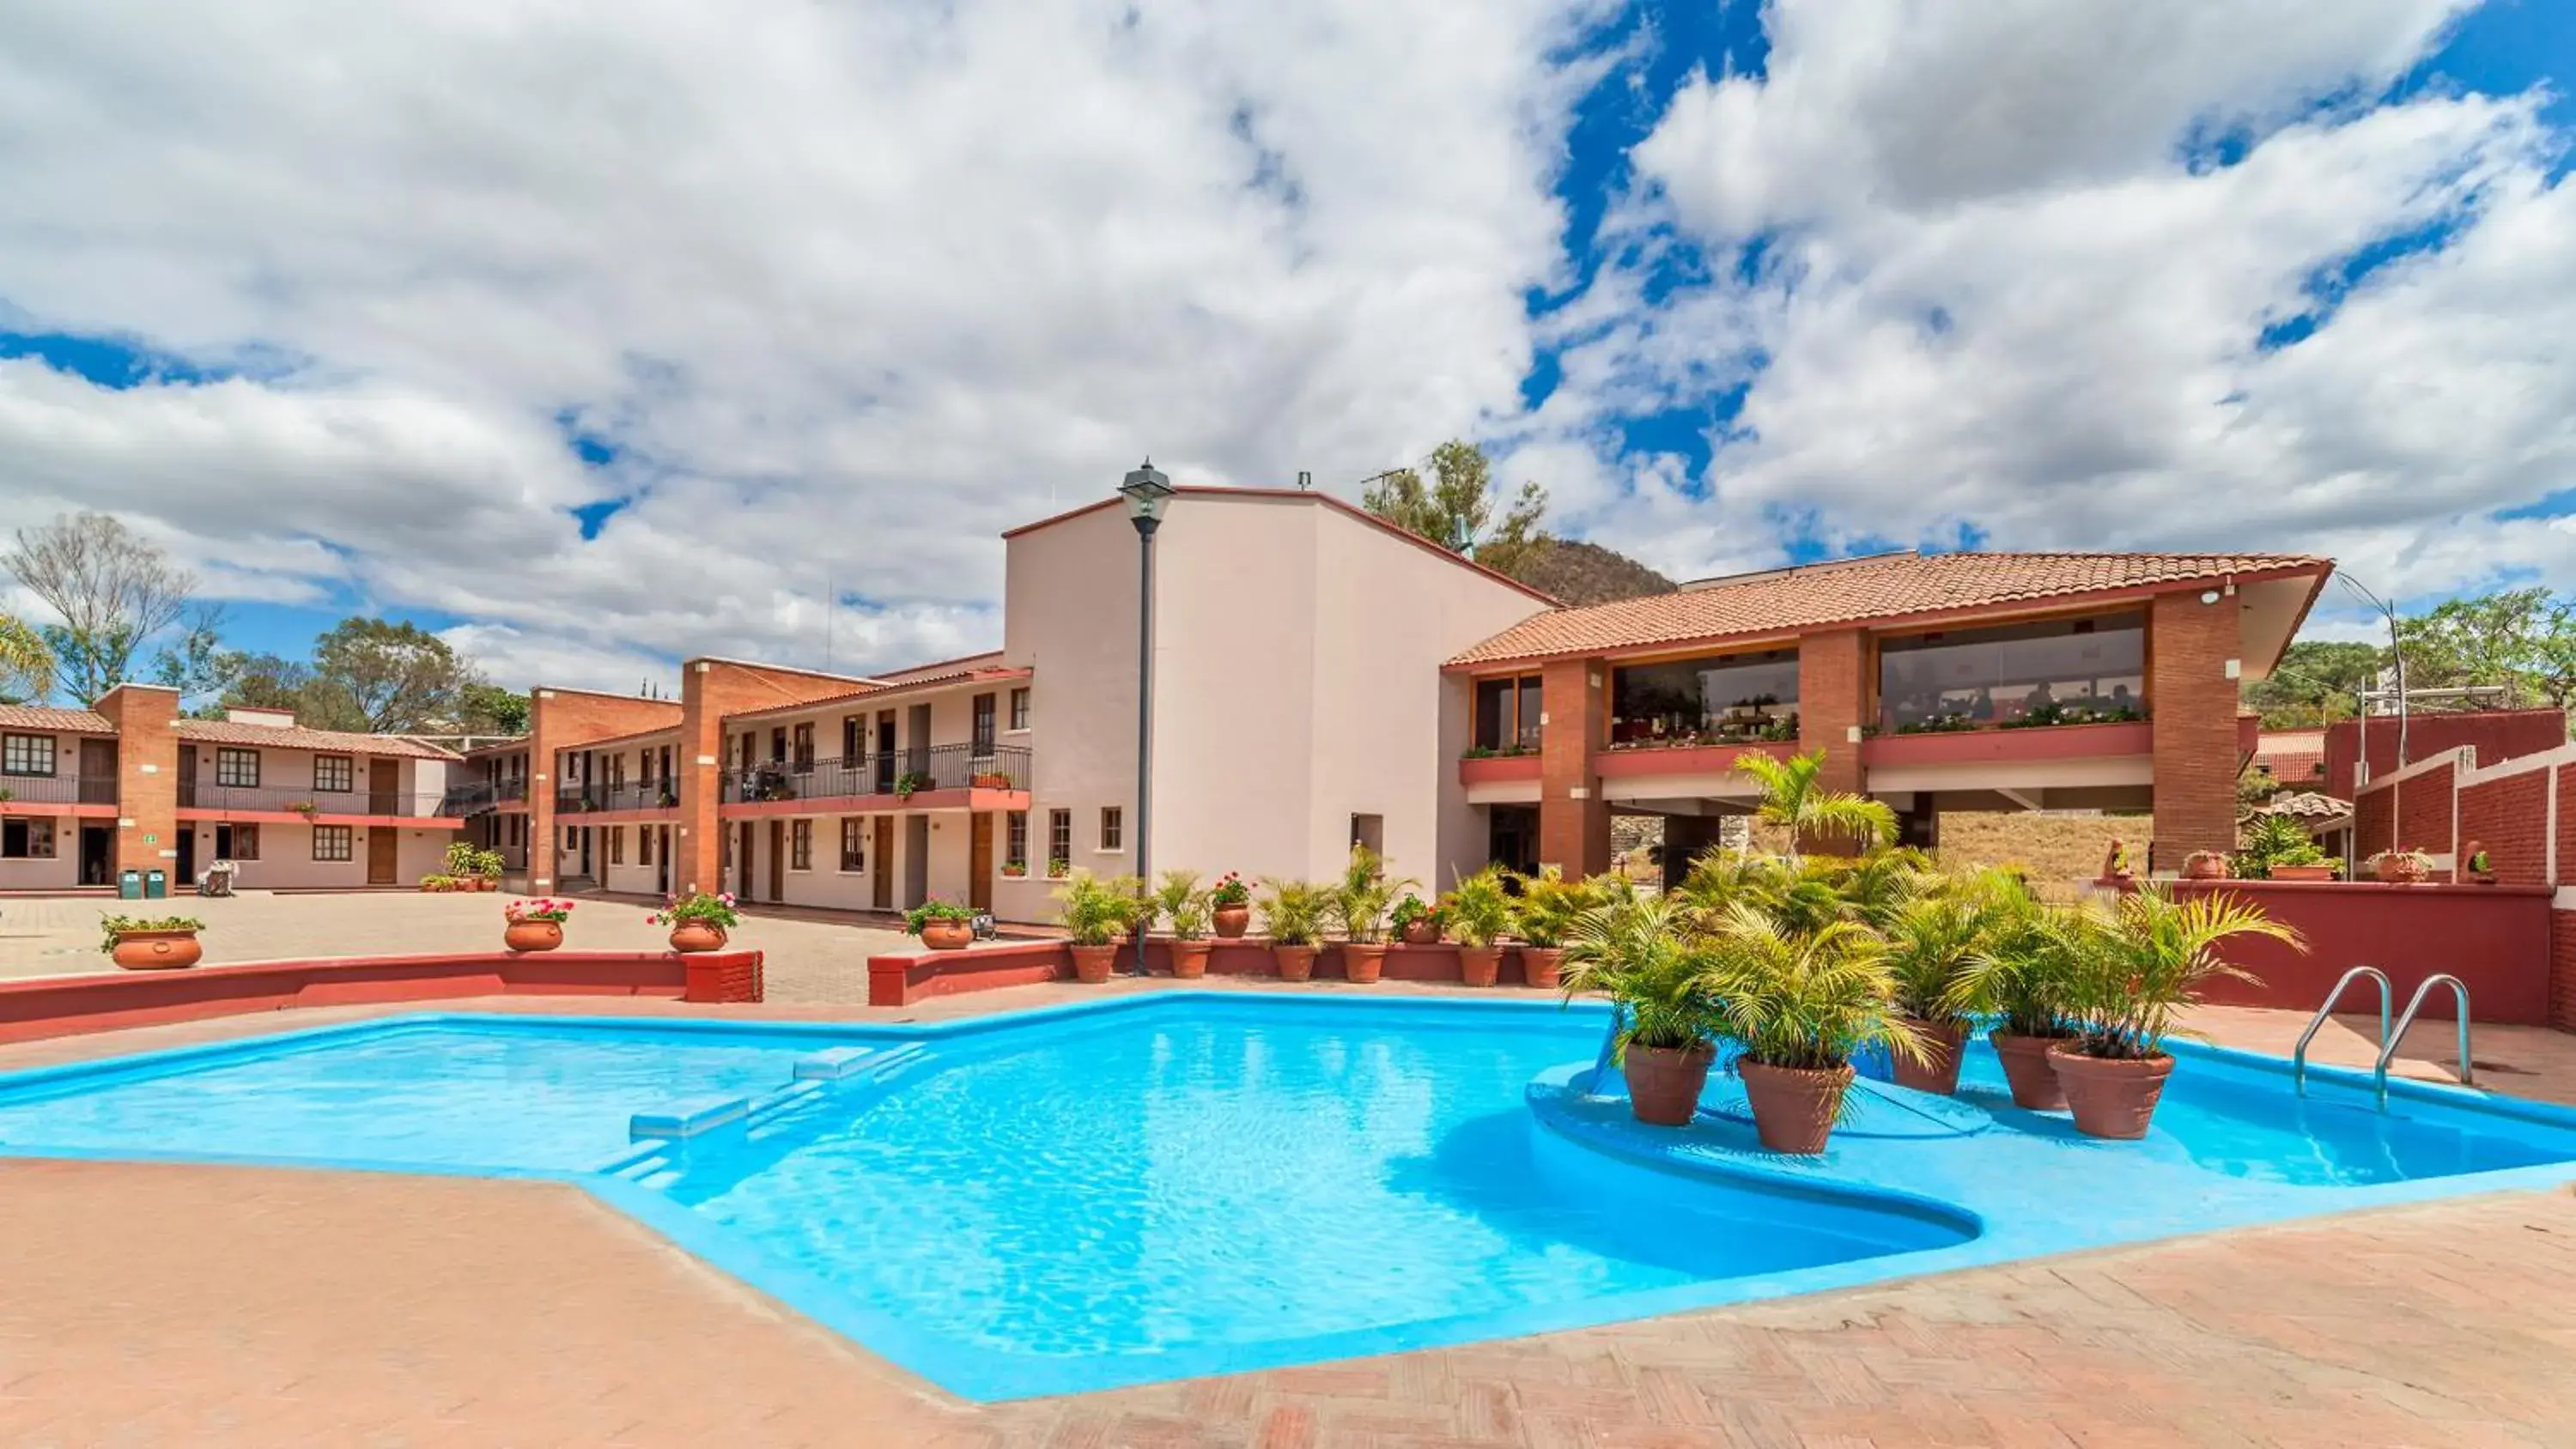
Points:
point(2389, 1044)
point(2299, 1057)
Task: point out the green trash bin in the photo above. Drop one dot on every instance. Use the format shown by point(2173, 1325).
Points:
point(156, 885)
point(129, 885)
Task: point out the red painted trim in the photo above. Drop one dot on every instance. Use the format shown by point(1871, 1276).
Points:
point(85, 810)
point(319, 817)
point(903, 980)
point(974, 800)
point(1680, 759)
point(655, 816)
point(64, 1005)
point(2045, 742)
point(1496, 769)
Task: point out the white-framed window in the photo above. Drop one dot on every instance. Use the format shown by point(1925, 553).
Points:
point(237, 767)
point(800, 845)
point(1113, 829)
point(335, 773)
point(332, 842)
point(854, 844)
point(1020, 708)
point(26, 754)
point(1059, 841)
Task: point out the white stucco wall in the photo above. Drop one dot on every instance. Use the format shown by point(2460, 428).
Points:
point(61, 872)
point(286, 858)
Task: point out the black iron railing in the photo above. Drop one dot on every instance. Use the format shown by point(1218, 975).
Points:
point(900, 773)
point(58, 789)
point(320, 803)
point(629, 795)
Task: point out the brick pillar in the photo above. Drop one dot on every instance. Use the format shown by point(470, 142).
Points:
point(147, 776)
point(1573, 819)
point(548, 723)
point(1833, 700)
point(699, 762)
point(2193, 702)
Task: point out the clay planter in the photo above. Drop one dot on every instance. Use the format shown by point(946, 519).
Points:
point(1189, 960)
point(991, 782)
point(1664, 1082)
point(2399, 870)
point(1232, 921)
point(532, 935)
point(690, 937)
point(1296, 963)
point(157, 950)
point(1422, 933)
point(1941, 1045)
point(1541, 965)
point(1364, 961)
point(2303, 872)
point(488, 883)
point(1793, 1109)
point(1480, 965)
point(2204, 865)
point(946, 935)
point(2110, 1098)
point(2034, 1081)
point(1091, 964)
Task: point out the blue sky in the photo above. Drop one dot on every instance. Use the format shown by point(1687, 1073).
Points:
point(1739, 286)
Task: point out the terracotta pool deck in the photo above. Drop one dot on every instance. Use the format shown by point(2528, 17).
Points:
point(151, 1304)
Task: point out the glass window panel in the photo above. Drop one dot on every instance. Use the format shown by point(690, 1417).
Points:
point(2055, 671)
point(1721, 699)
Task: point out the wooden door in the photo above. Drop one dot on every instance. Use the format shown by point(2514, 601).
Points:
point(187, 774)
point(384, 787)
point(381, 840)
point(979, 861)
point(883, 851)
point(742, 862)
point(778, 860)
point(97, 784)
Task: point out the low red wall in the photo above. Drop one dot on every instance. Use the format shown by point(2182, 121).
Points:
point(903, 980)
point(63, 1005)
point(2495, 938)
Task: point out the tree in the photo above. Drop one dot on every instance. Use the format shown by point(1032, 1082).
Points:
point(1791, 797)
point(2315, 683)
point(264, 681)
point(2522, 639)
point(113, 590)
point(26, 665)
point(196, 663)
point(491, 710)
point(378, 676)
point(1456, 510)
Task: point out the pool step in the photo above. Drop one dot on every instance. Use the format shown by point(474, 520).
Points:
point(687, 1119)
point(841, 1064)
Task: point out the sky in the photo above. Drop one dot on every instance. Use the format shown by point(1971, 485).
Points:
point(600, 333)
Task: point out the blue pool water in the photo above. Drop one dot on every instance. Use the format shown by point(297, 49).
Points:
point(1191, 1183)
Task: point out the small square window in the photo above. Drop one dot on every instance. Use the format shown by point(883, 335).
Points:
point(854, 843)
point(25, 839)
point(26, 755)
point(1113, 828)
point(238, 768)
point(336, 773)
point(244, 843)
point(332, 842)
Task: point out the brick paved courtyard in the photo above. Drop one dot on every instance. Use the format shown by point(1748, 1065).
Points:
point(152, 1304)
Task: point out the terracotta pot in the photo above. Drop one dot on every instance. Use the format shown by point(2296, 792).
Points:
point(1664, 1082)
point(532, 935)
point(2399, 870)
point(1542, 965)
point(1793, 1109)
point(157, 950)
point(490, 883)
point(2034, 1081)
point(1422, 933)
point(2110, 1098)
point(1364, 961)
point(2204, 865)
point(1941, 1046)
point(2303, 872)
point(1232, 921)
point(1296, 963)
point(689, 937)
point(1480, 965)
point(1189, 960)
point(991, 782)
point(1091, 964)
point(947, 935)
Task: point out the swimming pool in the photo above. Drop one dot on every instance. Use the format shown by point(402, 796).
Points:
point(1185, 1183)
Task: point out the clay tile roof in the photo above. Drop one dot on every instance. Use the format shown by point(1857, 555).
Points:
point(20, 716)
point(2306, 805)
point(1788, 601)
point(2292, 755)
point(296, 737)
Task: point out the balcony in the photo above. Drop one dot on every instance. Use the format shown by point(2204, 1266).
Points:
point(1500, 777)
point(935, 777)
point(627, 795)
point(334, 806)
point(477, 797)
point(2018, 758)
point(18, 793)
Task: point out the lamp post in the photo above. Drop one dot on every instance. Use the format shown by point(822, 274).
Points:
point(1147, 492)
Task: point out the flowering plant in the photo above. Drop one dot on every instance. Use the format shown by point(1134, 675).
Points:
point(1229, 890)
point(702, 907)
point(546, 909)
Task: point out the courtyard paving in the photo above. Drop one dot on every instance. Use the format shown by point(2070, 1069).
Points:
point(154, 1304)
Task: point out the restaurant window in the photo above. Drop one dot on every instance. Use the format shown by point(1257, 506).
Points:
point(1720, 699)
point(854, 842)
point(1507, 714)
point(1113, 828)
point(984, 724)
point(617, 845)
point(1015, 839)
point(1059, 841)
point(237, 767)
point(800, 845)
point(26, 755)
point(332, 842)
point(26, 839)
point(2049, 672)
point(1020, 708)
point(335, 773)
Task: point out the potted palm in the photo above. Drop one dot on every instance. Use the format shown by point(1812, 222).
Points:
point(1801, 1004)
point(941, 925)
point(166, 943)
point(1931, 944)
point(1416, 922)
point(1294, 912)
point(534, 925)
point(1182, 903)
point(1094, 914)
point(2139, 972)
point(487, 869)
point(1230, 907)
point(699, 921)
point(1478, 912)
point(1359, 908)
point(1550, 905)
point(1793, 796)
point(1627, 951)
point(2021, 977)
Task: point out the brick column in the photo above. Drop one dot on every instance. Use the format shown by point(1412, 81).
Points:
point(547, 725)
point(2193, 701)
point(1833, 699)
point(698, 760)
point(1573, 819)
point(147, 776)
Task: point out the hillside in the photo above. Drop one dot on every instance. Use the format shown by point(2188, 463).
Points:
point(1587, 573)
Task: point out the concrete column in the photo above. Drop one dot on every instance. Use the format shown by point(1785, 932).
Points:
point(2192, 652)
point(1573, 819)
point(147, 776)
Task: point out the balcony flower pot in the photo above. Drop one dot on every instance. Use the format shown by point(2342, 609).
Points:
point(946, 935)
point(2026, 1067)
point(1091, 964)
point(2303, 872)
point(1422, 933)
point(1232, 921)
point(690, 937)
point(2204, 865)
point(1793, 1109)
point(1939, 1071)
point(1664, 1083)
point(2111, 1097)
point(1296, 963)
point(992, 781)
point(157, 950)
point(528, 936)
point(1541, 965)
point(1189, 959)
point(1480, 965)
point(1364, 961)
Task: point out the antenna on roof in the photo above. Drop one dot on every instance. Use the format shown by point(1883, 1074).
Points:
point(1305, 480)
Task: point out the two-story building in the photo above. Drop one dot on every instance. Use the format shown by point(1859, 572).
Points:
point(57, 798)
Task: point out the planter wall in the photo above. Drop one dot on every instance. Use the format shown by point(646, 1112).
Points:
point(2495, 938)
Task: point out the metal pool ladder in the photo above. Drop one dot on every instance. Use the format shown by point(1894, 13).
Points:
point(2299, 1058)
